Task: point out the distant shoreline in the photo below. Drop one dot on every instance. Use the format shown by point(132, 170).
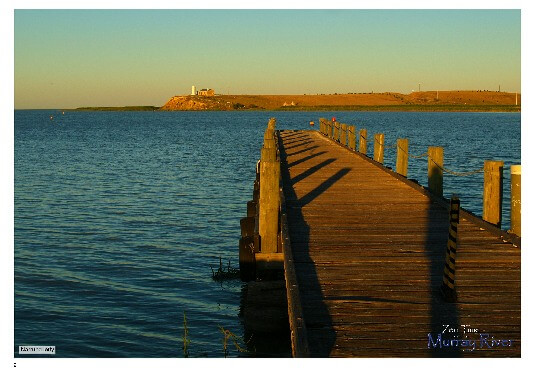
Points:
point(429, 101)
point(371, 108)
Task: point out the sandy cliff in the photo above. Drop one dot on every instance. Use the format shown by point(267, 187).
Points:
point(481, 99)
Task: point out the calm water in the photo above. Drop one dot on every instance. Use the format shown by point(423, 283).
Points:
point(119, 216)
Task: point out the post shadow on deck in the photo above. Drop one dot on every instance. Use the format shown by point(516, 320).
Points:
point(303, 150)
point(297, 145)
point(321, 334)
point(441, 313)
point(311, 171)
point(304, 159)
point(295, 139)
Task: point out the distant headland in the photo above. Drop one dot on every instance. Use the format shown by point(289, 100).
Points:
point(207, 100)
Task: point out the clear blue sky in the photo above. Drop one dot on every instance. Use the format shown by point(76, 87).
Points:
point(71, 58)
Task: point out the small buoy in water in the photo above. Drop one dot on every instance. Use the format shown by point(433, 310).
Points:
point(334, 119)
point(51, 117)
point(311, 123)
point(63, 113)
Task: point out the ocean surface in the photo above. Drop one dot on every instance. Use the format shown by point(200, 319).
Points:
point(119, 217)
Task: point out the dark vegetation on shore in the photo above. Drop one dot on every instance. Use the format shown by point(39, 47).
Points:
point(123, 108)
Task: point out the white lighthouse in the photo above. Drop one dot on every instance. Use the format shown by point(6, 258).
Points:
point(193, 92)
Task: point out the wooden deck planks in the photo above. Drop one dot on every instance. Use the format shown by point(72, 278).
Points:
point(369, 252)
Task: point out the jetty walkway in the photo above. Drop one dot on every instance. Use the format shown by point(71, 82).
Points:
point(373, 264)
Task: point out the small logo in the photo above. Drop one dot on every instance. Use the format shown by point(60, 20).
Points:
point(466, 338)
point(37, 350)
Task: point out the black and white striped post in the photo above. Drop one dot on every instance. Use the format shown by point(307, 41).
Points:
point(448, 280)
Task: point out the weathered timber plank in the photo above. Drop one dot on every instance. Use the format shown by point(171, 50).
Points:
point(369, 250)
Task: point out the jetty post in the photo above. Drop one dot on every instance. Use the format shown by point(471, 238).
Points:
point(493, 192)
point(402, 158)
point(323, 126)
point(336, 126)
point(362, 140)
point(351, 137)
point(264, 304)
point(250, 240)
point(515, 199)
point(379, 147)
point(268, 256)
point(330, 129)
point(435, 162)
point(343, 134)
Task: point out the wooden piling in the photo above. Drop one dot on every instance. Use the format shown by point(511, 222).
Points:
point(269, 138)
point(269, 198)
point(336, 131)
point(493, 192)
point(247, 259)
point(402, 159)
point(247, 226)
point(251, 208)
point(351, 137)
point(323, 128)
point(343, 134)
point(515, 200)
point(379, 147)
point(267, 261)
point(330, 129)
point(256, 191)
point(362, 140)
point(264, 308)
point(435, 162)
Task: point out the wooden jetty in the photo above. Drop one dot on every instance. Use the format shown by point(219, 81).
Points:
point(376, 265)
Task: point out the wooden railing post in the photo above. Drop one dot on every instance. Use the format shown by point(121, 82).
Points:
point(330, 129)
point(493, 192)
point(362, 140)
point(269, 135)
point(435, 162)
point(323, 128)
point(269, 192)
point(402, 159)
point(352, 137)
point(336, 131)
point(379, 147)
point(515, 200)
point(343, 134)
